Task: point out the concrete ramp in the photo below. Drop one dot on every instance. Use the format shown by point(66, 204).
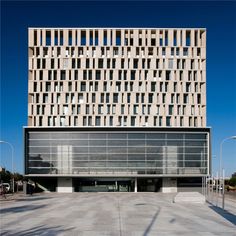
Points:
point(189, 197)
point(42, 187)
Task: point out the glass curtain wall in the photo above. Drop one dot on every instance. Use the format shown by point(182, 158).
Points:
point(157, 153)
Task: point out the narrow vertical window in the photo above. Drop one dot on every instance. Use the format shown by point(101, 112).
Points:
point(188, 41)
point(70, 37)
point(195, 37)
point(118, 38)
point(55, 38)
point(105, 38)
point(96, 37)
point(161, 38)
point(168, 120)
point(83, 37)
point(166, 38)
point(160, 121)
point(61, 37)
point(91, 38)
point(171, 107)
point(111, 38)
point(35, 37)
point(97, 121)
point(111, 121)
point(175, 38)
point(48, 38)
point(133, 120)
point(41, 38)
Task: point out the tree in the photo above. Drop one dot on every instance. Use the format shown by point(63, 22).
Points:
point(6, 176)
point(232, 181)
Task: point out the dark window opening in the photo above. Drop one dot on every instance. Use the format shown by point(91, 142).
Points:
point(132, 75)
point(168, 119)
point(118, 38)
point(161, 42)
point(91, 38)
point(175, 38)
point(83, 38)
point(115, 98)
point(48, 38)
point(153, 86)
point(96, 38)
point(70, 37)
point(166, 38)
point(35, 37)
point(168, 75)
point(185, 52)
point(198, 52)
point(135, 63)
point(63, 75)
point(100, 63)
point(188, 41)
point(153, 42)
point(150, 98)
point(131, 42)
point(61, 37)
point(199, 99)
point(105, 38)
point(87, 63)
point(56, 38)
point(98, 74)
point(133, 120)
point(83, 86)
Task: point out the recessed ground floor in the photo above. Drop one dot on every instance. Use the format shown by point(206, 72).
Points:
point(117, 184)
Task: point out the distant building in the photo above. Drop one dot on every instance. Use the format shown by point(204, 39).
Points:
point(117, 109)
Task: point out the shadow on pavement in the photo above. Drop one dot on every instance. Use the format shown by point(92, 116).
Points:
point(227, 215)
point(20, 209)
point(32, 199)
point(39, 230)
point(152, 222)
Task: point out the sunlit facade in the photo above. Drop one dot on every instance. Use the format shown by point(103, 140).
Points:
point(117, 109)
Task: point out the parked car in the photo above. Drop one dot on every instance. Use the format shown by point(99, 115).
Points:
point(5, 186)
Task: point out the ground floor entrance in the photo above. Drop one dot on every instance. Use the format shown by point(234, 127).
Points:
point(117, 184)
point(103, 185)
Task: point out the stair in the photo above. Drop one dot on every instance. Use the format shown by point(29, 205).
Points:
point(43, 188)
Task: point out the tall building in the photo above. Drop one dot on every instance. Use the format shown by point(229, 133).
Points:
point(117, 109)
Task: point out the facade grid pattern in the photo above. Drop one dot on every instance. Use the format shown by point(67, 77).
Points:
point(117, 77)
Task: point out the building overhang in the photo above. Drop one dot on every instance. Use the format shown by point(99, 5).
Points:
point(118, 128)
point(114, 175)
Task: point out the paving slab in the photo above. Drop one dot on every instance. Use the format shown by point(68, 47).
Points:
point(115, 214)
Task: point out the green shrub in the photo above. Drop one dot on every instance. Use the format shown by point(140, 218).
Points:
point(232, 181)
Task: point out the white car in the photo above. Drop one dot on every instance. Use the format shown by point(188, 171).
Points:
point(6, 186)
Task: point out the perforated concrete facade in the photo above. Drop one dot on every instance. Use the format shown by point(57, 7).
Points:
point(117, 77)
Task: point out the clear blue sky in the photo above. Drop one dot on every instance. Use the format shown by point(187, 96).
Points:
point(218, 17)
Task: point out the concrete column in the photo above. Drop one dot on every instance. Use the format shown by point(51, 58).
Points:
point(169, 185)
point(135, 185)
point(64, 185)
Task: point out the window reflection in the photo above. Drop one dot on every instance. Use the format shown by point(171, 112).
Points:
point(137, 153)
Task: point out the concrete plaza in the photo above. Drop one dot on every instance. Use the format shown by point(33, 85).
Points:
point(123, 214)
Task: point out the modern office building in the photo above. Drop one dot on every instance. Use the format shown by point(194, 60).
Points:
point(117, 109)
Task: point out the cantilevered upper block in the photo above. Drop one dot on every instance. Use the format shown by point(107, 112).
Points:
point(117, 77)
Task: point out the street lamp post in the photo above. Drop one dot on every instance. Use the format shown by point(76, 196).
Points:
point(222, 171)
point(12, 165)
